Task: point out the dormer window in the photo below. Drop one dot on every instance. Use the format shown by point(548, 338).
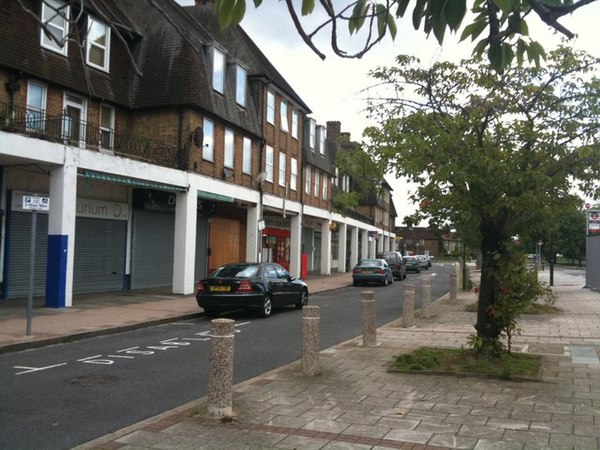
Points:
point(322, 140)
point(98, 45)
point(218, 81)
point(312, 134)
point(55, 15)
point(241, 75)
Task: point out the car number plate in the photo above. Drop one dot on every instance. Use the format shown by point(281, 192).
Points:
point(367, 272)
point(219, 288)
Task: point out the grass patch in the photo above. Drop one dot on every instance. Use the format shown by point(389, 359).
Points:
point(510, 366)
point(534, 308)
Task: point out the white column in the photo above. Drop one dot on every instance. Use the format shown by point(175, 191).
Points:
point(380, 243)
point(342, 233)
point(295, 244)
point(325, 248)
point(364, 250)
point(354, 247)
point(252, 233)
point(372, 246)
point(184, 253)
point(61, 233)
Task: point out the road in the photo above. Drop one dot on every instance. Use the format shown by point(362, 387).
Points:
point(60, 396)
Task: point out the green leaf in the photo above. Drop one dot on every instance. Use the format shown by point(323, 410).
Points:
point(225, 12)
point(307, 7)
point(357, 19)
point(474, 29)
point(238, 12)
point(495, 56)
point(402, 5)
point(391, 24)
point(257, 3)
point(439, 27)
point(418, 13)
point(504, 5)
point(454, 13)
point(382, 18)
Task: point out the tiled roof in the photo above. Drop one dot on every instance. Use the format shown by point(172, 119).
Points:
point(416, 233)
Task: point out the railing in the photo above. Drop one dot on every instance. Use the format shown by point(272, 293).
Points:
point(71, 131)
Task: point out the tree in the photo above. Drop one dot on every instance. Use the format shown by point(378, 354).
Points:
point(492, 152)
point(569, 239)
point(504, 20)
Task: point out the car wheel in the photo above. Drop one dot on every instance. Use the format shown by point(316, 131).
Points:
point(267, 306)
point(354, 283)
point(303, 299)
point(385, 281)
point(404, 276)
point(392, 280)
point(211, 312)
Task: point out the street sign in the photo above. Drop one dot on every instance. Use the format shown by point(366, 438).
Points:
point(36, 203)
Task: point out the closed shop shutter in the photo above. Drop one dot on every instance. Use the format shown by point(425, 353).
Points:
point(19, 242)
point(99, 263)
point(152, 249)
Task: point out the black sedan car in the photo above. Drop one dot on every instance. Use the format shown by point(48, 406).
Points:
point(372, 271)
point(252, 286)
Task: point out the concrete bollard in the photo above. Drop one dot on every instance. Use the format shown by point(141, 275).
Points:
point(453, 284)
point(310, 340)
point(220, 368)
point(426, 297)
point(369, 321)
point(408, 307)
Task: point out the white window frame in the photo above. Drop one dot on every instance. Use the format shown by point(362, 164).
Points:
point(283, 116)
point(48, 14)
point(271, 107)
point(76, 102)
point(105, 48)
point(241, 80)
point(229, 148)
point(322, 140)
point(208, 144)
point(110, 129)
point(312, 134)
point(36, 114)
point(307, 180)
point(295, 123)
point(218, 75)
point(269, 163)
point(247, 156)
point(293, 174)
point(324, 189)
point(316, 184)
point(282, 168)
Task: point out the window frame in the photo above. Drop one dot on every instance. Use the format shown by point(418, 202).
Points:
point(308, 180)
point(283, 116)
point(271, 107)
point(247, 156)
point(106, 66)
point(321, 143)
point(37, 112)
point(295, 118)
point(316, 183)
point(269, 155)
point(324, 187)
point(229, 148)
point(46, 41)
point(282, 168)
point(293, 174)
point(241, 75)
point(208, 143)
point(110, 129)
point(312, 133)
point(218, 71)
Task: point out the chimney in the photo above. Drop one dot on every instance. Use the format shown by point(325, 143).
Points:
point(333, 129)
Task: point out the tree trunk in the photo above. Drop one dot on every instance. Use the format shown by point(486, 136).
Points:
point(492, 244)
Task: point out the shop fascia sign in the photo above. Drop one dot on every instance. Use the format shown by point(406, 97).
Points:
point(96, 209)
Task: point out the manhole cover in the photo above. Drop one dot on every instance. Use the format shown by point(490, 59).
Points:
point(93, 380)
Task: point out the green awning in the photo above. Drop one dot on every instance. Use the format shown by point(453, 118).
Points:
point(128, 181)
point(217, 197)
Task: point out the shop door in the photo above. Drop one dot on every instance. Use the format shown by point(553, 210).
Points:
point(224, 242)
point(317, 247)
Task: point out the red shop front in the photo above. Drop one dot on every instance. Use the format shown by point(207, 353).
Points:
point(276, 246)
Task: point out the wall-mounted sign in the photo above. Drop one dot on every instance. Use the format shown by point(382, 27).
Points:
point(593, 222)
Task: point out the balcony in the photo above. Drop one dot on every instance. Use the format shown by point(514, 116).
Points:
point(69, 130)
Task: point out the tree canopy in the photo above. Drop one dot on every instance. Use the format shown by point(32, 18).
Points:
point(499, 27)
point(492, 153)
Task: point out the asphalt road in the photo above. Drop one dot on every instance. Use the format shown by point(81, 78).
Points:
point(60, 396)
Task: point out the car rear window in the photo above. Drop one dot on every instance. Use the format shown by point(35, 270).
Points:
point(236, 271)
point(370, 262)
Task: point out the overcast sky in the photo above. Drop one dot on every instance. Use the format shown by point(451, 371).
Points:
point(332, 88)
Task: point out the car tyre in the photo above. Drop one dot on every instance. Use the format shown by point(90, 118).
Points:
point(303, 299)
point(267, 306)
point(392, 280)
point(385, 281)
point(355, 283)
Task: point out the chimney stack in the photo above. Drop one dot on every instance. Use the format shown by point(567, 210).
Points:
point(333, 129)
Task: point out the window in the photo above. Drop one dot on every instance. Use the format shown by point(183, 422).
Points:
point(247, 156)
point(107, 126)
point(346, 183)
point(218, 70)
point(75, 111)
point(98, 45)
point(269, 163)
point(293, 174)
point(55, 15)
point(240, 85)
point(36, 106)
point(307, 181)
point(316, 189)
point(283, 116)
point(325, 181)
point(271, 107)
point(208, 148)
point(282, 163)
point(295, 123)
point(312, 134)
point(229, 150)
point(322, 140)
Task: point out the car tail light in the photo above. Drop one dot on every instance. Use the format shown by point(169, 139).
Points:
point(200, 287)
point(379, 271)
point(244, 287)
point(355, 271)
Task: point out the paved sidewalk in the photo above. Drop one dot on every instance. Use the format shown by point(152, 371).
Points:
point(355, 403)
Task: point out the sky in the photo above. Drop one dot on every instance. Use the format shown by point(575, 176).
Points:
point(334, 88)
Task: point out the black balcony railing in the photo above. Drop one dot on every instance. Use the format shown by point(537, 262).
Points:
point(70, 130)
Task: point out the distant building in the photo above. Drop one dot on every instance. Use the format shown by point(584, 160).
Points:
point(418, 241)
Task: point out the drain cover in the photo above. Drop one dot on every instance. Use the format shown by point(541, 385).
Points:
point(93, 380)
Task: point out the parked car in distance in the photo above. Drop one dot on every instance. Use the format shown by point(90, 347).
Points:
point(396, 263)
point(411, 263)
point(372, 271)
point(423, 262)
point(251, 286)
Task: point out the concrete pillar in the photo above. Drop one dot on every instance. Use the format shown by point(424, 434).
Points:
point(252, 233)
point(408, 307)
point(426, 296)
point(342, 233)
point(325, 248)
point(369, 319)
point(453, 284)
point(61, 233)
point(184, 252)
point(354, 247)
point(310, 340)
point(364, 251)
point(220, 368)
point(372, 247)
point(295, 245)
